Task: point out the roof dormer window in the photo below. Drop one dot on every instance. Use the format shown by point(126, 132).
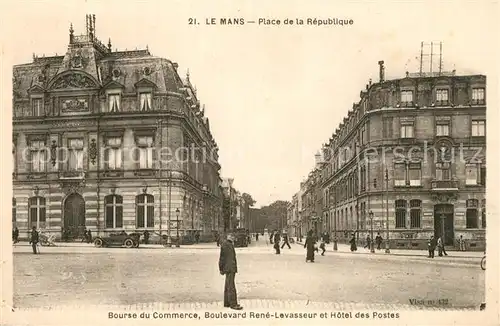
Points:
point(114, 102)
point(145, 101)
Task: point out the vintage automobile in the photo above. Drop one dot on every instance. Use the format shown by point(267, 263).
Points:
point(241, 238)
point(121, 239)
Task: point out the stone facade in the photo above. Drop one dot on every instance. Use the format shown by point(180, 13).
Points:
point(111, 140)
point(412, 152)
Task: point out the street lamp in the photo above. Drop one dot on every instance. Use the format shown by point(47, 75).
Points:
point(387, 250)
point(372, 248)
point(177, 213)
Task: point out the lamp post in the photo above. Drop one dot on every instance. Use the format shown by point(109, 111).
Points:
point(177, 213)
point(372, 248)
point(387, 250)
point(230, 182)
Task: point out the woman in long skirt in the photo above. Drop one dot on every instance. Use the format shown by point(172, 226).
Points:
point(309, 245)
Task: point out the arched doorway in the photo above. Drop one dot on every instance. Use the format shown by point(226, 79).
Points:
point(74, 215)
point(443, 223)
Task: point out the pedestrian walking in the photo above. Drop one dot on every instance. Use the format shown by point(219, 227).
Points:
point(15, 235)
point(322, 246)
point(146, 236)
point(89, 236)
point(353, 243)
point(378, 240)
point(440, 246)
point(85, 235)
point(257, 236)
point(276, 240)
point(461, 243)
point(368, 242)
point(285, 241)
point(228, 266)
point(432, 246)
point(34, 240)
point(217, 238)
point(310, 246)
point(197, 236)
point(271, 237)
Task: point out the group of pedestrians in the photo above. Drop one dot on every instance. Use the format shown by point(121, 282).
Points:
point(275, 238)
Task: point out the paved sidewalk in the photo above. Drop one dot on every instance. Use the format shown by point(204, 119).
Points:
point(344, 248)
point(149, 246)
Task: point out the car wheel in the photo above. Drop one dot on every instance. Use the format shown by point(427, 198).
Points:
point(98, 243)
point(129, 243)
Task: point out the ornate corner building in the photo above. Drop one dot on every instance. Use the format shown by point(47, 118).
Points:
point(409, 161)
point(111, 140)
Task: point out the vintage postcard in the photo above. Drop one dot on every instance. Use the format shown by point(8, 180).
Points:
point(249, 162)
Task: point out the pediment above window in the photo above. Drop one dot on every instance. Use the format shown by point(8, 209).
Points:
point(36, 89)
point(113, 85)
point(145, 83)
point(73, 80)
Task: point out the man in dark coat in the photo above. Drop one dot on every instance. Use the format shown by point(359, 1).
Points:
point(285, 241)
point(15, 235)
point(34, 239)
point(229, 267)
point(277, 239)
point(431, 246)
point(89, 236)
point(378, 241)
point(309, 245)
point(354, 247)
point(146, 237)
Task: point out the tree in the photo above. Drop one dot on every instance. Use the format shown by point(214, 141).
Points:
point(275, 214)
point(249, 202)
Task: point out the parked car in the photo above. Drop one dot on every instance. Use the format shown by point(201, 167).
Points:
point(118, 240)
point(241, 238)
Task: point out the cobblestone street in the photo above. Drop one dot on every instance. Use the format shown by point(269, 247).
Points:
point(84, 275)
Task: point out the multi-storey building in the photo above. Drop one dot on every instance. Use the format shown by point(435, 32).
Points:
point(312, 199)
point(409, 161)
point(111, 140)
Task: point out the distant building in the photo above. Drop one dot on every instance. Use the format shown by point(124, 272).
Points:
point(412, 152)
point(90, 129)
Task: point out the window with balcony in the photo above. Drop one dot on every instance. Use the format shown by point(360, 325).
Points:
point(471, 219)
point(75, 154)
point(145, 101)
point(406, 98)
point(442, 128)
point(113, 211)
point(37, 210)
point(145, 150)
point(400, 213)
point(415, 213)
point(145, 211)
point(478, 96)
point(387, 127)
point(483, 213)
point(38, 156)
point(475, 174)
point(478, 128)
point(113, 153)
point(407, 130)
point(114, 102)
point(441, 96)
point(37, 107)
point(443, 171)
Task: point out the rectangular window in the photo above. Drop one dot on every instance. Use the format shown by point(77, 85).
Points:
point(145, 147)
point(442, 96)
point(478, 95)
point(75, 154)
point(114, 153)
point(400, 214)
point(387, 127)
point(478, 128)
point(442, 129)
point(145, 101)
point(37, 106)
point(415, 174)
point(114, 102)
point(406, 98)
point(407, 130)
point(399, 174)
point(471, 218)
point(471, 174)
point(415, 213)
point(38, 156)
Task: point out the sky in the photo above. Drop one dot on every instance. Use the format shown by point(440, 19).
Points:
point(273, 94)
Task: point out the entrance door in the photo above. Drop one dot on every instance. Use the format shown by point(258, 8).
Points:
point(443, 222)
point(74, 215)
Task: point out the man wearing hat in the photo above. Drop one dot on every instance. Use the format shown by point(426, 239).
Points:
point(228, 267)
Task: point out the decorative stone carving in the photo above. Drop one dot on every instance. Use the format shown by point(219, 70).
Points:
point(78, 61)
point(69, 187)
point(444, 197)
point(74, 105)
point(73, 124)
point(93, 151)
point(74, 81)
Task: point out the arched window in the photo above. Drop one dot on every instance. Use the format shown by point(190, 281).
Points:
point(114, 211)
point(471, 214)
point(415, 213)
point(37, 212)
point(145, 211)
point(400, 214)
point(483, 213)
point(13, 210)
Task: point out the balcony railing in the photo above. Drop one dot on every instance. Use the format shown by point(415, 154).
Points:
point(444, 185)
point(72, 175)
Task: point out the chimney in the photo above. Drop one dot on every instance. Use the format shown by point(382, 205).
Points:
point(381, 71)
